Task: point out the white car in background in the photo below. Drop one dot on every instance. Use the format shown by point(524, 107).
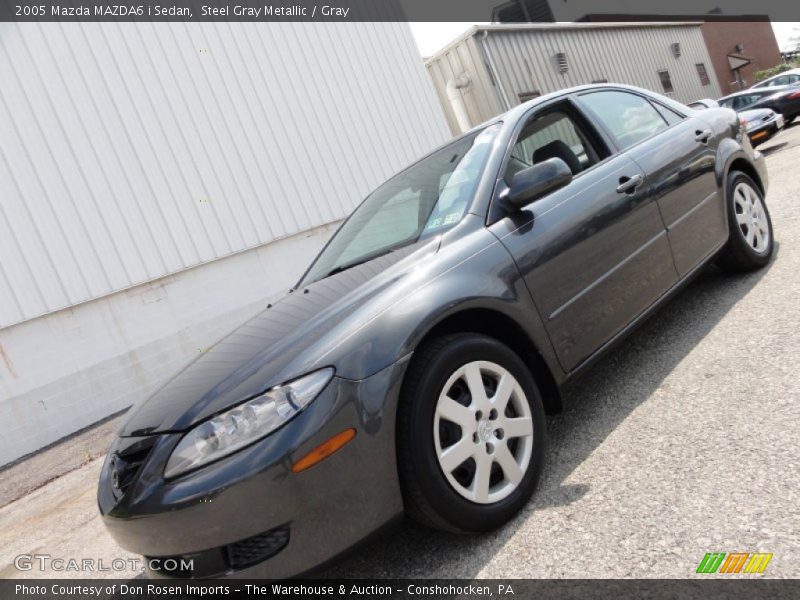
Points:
point(790, 77)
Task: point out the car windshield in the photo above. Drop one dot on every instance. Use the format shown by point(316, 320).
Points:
point(424, 200)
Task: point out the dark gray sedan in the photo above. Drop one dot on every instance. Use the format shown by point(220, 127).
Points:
point(411, 368)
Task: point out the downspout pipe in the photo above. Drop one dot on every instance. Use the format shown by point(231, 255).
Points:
point(454, 87)
point(493, 72)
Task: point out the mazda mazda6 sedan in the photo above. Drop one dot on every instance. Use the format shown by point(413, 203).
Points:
point(411, 368)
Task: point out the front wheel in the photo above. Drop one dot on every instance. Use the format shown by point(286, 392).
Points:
point(751, 240)
point(471, 434)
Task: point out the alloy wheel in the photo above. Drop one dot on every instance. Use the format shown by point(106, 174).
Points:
point(483, 432)
point(751, 217)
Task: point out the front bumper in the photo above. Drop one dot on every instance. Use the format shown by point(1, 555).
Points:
point(249, 515)
point(765, 131)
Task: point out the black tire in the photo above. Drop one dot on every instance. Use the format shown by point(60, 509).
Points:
point(428, 496)
point(738, 255)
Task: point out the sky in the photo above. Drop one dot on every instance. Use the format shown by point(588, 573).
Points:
point(432, 37)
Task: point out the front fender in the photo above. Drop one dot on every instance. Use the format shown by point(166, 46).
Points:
point(481, 274)
point(733, 146)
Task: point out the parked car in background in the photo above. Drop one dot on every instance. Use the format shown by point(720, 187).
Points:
point(761, 124)
point(411, 367)
point(785, 100)
point(790, 77)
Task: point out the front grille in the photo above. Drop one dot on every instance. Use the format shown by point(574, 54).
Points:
point(257, 548)
point(126, 462)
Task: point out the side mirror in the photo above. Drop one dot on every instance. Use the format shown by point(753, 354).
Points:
point(536, 181)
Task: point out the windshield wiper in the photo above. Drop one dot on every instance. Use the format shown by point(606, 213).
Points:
point(368, 258)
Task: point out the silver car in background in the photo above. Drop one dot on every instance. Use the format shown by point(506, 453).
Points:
point(760, 124)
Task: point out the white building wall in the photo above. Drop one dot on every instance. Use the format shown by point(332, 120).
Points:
point(63, 371)
point(132, 151)
point(159, 183)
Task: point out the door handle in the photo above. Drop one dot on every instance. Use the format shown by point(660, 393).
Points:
point(702, 136)
point(627, 185)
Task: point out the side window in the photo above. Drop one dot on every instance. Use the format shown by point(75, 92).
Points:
point(552, 134)
point(629, 117)
point(782, 80)
point(742, 102)
point(670, 116)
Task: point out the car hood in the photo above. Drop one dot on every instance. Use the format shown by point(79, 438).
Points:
point(300, 332)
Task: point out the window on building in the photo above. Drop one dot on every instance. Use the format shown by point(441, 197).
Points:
point(666, 82)
point(703, 74)
point(525, 96)
point(630, 117)
point(599, 80)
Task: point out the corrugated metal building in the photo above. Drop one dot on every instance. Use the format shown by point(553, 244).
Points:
point(491, 68)
point(160, 182)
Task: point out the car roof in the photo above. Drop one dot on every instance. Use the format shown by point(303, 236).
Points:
point(516, 111)
point(521, 109)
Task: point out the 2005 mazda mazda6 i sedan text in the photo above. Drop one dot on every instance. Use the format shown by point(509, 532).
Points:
point(412, 366)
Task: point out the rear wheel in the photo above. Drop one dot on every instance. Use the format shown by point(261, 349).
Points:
point(751, 241)
point(471, 434)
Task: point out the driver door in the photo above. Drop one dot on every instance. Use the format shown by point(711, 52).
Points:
point(594, 254)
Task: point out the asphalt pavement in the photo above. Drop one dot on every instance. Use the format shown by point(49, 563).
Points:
point(683, 441)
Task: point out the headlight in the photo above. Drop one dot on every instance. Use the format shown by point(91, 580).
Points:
point(246, 423)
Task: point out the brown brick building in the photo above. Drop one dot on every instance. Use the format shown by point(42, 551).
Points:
point(753, 40)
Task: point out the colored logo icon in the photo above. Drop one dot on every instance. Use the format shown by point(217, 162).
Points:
point(734, 562)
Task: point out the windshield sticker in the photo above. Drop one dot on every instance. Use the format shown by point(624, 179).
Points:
point(443, 221)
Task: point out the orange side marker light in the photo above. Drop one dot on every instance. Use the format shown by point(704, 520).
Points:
point(324, 450)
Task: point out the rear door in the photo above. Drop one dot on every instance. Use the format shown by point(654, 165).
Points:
point(677, 153)
point(594, 254)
